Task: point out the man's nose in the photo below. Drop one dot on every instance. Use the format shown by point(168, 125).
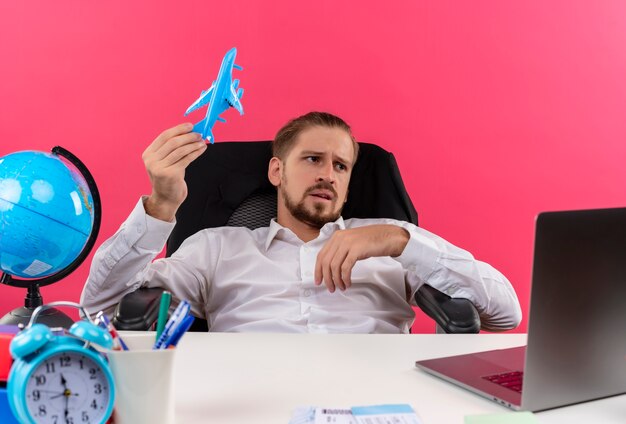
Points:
point(326, 173)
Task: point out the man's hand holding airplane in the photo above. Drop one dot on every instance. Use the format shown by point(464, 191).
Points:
point(166, 160)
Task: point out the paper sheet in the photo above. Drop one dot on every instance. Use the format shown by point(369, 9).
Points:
point(375, 414)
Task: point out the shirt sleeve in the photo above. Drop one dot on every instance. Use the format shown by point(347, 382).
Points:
point(124, 263)
point(429, 259)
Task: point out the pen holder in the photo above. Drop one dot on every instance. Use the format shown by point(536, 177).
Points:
point(144, 380)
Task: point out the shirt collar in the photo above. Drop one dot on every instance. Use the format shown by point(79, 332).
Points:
point(275, 229)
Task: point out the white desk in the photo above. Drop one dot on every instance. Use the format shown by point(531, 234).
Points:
point(261, 378)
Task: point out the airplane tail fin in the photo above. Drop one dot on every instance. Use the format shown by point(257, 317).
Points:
point(199, 127)
point(209, 136)
point(202, 128)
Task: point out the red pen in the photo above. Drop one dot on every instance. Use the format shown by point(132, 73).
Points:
point(103, 321)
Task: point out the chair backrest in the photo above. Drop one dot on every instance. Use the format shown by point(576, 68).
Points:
point(228, 185)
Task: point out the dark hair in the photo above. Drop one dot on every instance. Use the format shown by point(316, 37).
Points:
point(284, 140)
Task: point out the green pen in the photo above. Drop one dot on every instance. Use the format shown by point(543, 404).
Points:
point(164, 307)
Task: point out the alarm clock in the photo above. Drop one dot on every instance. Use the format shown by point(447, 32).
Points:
point(61, 378)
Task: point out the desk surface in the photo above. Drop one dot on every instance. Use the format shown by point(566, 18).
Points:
point(261, 378)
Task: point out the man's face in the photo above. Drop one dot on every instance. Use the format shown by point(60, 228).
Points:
point(315, 174)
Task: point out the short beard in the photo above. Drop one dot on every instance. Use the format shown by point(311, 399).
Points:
point(315, 219)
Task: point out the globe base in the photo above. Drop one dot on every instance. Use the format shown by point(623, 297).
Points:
point(51, 317)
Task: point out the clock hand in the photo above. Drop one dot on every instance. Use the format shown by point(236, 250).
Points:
point(63, 394)
point(67, 393)
point(50, 391)
point(67, 400)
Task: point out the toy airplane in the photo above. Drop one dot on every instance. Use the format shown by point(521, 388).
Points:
point(222, 94)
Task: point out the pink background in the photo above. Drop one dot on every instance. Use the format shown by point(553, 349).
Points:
point(495, 110)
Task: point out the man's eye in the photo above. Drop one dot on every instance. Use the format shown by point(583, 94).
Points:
point(312, 158)
point(341, 166)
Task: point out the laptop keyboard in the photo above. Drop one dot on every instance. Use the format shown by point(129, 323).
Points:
point(510, 380)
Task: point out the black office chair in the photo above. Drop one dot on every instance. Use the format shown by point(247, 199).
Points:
point(228, 185)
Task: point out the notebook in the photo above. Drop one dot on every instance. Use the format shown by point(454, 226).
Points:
point(576, 345)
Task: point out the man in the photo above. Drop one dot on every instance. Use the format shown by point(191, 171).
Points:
point(309, 271)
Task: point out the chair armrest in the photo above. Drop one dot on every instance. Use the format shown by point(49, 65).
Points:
point(138, 310)
point(452, 315)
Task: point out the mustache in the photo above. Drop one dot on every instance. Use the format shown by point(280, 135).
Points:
point(322, 185)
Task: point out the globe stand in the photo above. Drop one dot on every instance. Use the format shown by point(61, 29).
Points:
point(21, 316)
point(53, 317)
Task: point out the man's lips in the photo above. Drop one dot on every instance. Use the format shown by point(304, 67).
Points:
point(322, 194)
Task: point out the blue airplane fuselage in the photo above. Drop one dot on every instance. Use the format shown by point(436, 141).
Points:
point(223, 94)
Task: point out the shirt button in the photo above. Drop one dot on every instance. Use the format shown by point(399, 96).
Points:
point(307, 293)
point(139, 229)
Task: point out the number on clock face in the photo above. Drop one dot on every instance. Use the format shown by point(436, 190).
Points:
point(67, 388)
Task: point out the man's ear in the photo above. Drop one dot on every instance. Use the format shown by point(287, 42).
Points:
point(274, 171)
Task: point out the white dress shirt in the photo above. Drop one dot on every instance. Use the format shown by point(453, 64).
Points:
point(263, 280)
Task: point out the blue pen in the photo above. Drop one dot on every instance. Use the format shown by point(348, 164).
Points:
point(178, 315)
point(179, 332)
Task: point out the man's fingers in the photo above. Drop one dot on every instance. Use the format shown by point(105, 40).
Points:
point(186, 160)
point(319, 272)
point(160, 148)
point(173, 132)
point(346, 270)
point(174, 144)
point(328, 278)
point(336, 262)
point(186, 147)
point(168, 134)
point(323, 271)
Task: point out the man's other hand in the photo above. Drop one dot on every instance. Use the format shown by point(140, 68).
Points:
point(165, 160)
point(337, 258)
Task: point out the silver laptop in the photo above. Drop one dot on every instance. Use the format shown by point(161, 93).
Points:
point(576, 347)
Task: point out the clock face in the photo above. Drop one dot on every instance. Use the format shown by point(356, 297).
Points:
point(68, 388)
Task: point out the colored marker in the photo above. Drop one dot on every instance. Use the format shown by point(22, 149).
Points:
point(164, 307)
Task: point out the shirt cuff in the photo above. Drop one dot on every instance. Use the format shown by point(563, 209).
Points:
point(145, 231)
point(420, 256)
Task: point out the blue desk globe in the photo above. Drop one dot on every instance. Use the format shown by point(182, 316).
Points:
point(49, 219)
point(46, 214)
